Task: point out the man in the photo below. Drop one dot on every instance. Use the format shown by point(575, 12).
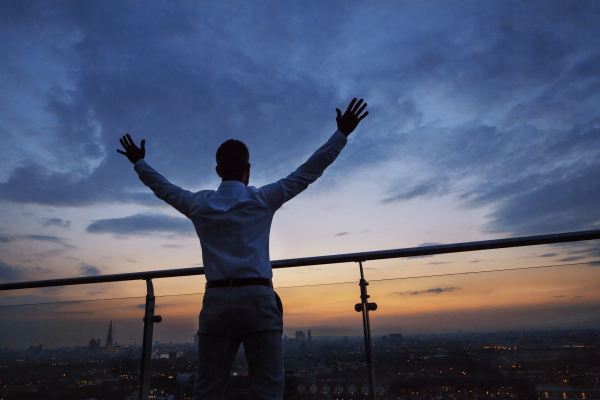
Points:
point(233, 224)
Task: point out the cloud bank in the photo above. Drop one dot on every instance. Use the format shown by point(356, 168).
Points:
point(143, 225)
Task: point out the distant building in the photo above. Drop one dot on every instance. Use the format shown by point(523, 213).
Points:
point(299, 335)
point(109, 337)
point(309, 336)
point(395, 337)
point(94, 344)
point(172, 358)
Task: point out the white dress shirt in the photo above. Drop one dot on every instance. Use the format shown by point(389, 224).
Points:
point(234, 222)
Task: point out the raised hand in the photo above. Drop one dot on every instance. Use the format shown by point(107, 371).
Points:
point(348, 122)
point(132, 152)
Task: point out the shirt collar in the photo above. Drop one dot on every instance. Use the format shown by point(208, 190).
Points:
point(231, 184)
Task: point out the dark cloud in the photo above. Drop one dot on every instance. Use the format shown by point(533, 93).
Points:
point(143, 225)
point(34, 185)
point(9, 273)
point(434, 291)
point(432, 188)
point(549, 255)
point(501, 112)
point(45, 222)
point(89, 270)
point(6, 239)
point(49, 253)
point(574, 258)
point(341, 234)
point(43, 238)
point(47, 238)
point(41, 270)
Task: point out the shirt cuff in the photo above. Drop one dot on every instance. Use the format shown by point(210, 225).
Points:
point(340, 137)
point(139, 164)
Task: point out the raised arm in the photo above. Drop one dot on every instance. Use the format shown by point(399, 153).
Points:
point(178, 198)
point(287, 188)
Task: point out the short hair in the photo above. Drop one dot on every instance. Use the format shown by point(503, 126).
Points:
point(232, 156)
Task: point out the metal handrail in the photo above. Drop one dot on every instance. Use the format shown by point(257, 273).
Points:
point(322, 260)
point(365, 306)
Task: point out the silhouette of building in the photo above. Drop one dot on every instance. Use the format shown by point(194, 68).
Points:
point(396, 337)
point(94, 345)
point(299, 335)
point(109, 337)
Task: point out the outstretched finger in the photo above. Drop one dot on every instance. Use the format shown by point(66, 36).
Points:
point(363, 116)
point(351, 105)
point(339, 113)
point(122, 152)
point(143, 144)
point(123, 143)
point(361, 109)
point(130, 140)
point(356, 106)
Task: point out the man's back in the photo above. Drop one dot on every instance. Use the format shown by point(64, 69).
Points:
point(234, 222)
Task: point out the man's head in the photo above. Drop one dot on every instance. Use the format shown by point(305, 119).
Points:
point(232, 161)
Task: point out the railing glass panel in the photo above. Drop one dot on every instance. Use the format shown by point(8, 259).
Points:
point(520, 333)
point(66, 350)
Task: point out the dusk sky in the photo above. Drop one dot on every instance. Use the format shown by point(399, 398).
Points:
point(484, 122)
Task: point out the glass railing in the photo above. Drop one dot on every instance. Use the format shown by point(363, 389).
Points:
point(62, 349)
point(502, 323)
point(520, 333)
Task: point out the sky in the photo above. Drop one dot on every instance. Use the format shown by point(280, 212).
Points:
point(484, 122)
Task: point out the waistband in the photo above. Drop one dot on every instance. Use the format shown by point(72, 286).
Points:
point(239, 282)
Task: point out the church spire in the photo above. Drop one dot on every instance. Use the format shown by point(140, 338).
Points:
point(109, 337)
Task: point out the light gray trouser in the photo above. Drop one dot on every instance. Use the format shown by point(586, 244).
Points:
point(229, 317)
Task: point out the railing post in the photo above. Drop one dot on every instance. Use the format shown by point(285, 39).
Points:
point(149, 320)
point(365, 307)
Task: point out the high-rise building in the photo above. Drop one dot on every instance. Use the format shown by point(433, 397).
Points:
point(109, 337)
point(299, 335)
point(309, 336)
point(94, 344)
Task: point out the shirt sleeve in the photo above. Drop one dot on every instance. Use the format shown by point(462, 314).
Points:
point(180, 199)
point(277, 193)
